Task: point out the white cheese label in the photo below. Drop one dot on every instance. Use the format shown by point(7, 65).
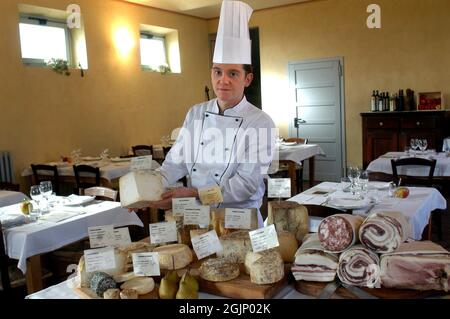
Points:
point(146, 264)
point(164, 232)
point(99, 259)
point(198, 215)
point(264, 238)
point(179, 204)
point(237, 218)
point(141, 163)
point(206, 244)
point(122, 236)
point(101, 236)
point(279, 188)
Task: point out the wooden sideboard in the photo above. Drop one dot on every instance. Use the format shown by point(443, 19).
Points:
point(391, 131)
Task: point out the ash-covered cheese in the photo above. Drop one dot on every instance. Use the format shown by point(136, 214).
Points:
point(235, 246)
point(267, 269)
point(138, 188)
point(101, 282)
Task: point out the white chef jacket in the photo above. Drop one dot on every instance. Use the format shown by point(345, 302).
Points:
point(221, 150)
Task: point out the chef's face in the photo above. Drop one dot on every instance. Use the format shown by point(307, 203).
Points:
point(229, 82)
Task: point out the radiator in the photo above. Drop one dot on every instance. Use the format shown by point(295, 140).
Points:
point(6, 171)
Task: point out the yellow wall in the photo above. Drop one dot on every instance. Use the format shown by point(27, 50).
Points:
point(411, 50)
point(44, 115)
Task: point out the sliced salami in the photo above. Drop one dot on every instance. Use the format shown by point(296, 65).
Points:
point(339, 232)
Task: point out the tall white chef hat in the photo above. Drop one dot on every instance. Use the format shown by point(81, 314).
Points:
point(233, 44)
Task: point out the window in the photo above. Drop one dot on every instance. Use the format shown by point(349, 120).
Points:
point(153, 52)
point(42, 39)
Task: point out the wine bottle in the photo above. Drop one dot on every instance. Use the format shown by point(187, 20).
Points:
point(372, 102)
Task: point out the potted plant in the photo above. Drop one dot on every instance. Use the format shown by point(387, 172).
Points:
point(59, 65)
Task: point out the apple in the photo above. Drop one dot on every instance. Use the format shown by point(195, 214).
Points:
point(401, 192)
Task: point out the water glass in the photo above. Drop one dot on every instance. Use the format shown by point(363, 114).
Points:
point(344, 185)
point(35, 194)
point(364, 181)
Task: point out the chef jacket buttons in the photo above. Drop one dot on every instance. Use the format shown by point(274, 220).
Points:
point(216, 175)
point(206, 115)
point(194, 170)
point(237, 120)
point(202, 143)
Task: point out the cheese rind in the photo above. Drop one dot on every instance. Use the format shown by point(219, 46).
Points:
point(267, 269)
point(142, 285)
point(235, 246)
point(289, 216)
point(288, 246)
point(138, 188)
point(219, 269)
point(174, 256)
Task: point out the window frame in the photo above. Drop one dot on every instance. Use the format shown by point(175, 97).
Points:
point(36, 20)
point(153, 36)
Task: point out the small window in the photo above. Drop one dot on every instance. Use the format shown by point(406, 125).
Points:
point(153, 52)
point(42, 39)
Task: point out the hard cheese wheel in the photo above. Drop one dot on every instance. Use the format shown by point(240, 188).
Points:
point(174, 256)
point(219, 269)
point(142, 285)
point(267, 269)
point(138, 188)
point(235, 246)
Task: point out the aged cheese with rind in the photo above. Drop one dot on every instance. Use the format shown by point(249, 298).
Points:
point(267, 269)
point(129, 294)
point(142, 285)
point(113, 293)
point(138, 188)
point(235, 246)
point(289, 216)
point(175, 256)
point(219, 269)
point(288, 246)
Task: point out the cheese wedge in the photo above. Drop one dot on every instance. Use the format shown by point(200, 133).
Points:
point(174, 256)
point(138, 188)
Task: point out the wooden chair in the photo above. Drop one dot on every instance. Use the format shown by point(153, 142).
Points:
point(7, 186)
point(166, 150)
point(428, 181)
point(103, 193)
point(293, 170)
point(42, 172)
point(86, 176)
point(142, 150)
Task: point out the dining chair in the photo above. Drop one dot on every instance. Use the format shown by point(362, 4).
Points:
point(43, 172)
point(293, 170)
point(103, 193)
point(7, 186)
point(142, 150)
point(425, 181)
point(86, 176)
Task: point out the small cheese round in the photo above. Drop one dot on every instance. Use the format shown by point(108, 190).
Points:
point(129, 294)
point(142, 285)
point(112, 294)
point(219, 269)
point(174, 256)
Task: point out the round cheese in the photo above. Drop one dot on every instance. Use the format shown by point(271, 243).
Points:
point(129, 294)
point(219, 269)
point(142, 285)
point(235, 246)
point(267, 269)
point(174, 256)
point(112, 294)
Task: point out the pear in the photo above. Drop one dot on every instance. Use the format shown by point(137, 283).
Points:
point(167, 289)
point(173, 276)
point(190, 281)
point(186, 291)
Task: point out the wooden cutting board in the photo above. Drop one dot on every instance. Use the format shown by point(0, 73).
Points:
point(314, 289)
point(86, 293)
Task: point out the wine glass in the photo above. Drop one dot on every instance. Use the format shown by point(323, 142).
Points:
point(423, 144)
point(353, 175)
point(46, 189)
point(364, 181)
point(36, 195)
point(413, 144)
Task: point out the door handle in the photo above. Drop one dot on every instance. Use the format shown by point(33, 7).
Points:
point(298, 121)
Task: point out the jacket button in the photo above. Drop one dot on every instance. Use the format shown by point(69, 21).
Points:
point(237, 120)
point(217, 175)
point(194, 170)
point(202, 143)
point(206, 115)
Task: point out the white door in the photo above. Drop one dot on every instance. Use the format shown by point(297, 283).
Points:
point(318, 113)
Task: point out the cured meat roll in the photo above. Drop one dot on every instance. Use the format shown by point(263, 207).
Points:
point(359, 266)
point(384, 232)
point(312, 263)
point(339, 232)
point(420, 265)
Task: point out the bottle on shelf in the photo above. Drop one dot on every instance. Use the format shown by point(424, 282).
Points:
point(380, 102)
point(392, 103)
point(401, 101)
point(372, 102)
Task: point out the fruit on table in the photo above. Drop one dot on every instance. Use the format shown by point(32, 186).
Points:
point(188, 288)
point(401, 192)
point(26, 207)
point(169, 285)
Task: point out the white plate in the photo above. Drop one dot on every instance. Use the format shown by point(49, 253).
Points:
point(91, 158)
point(75, 200)
point(289, 143)
point(348, 203)
point(120, 159)
point(59, 164)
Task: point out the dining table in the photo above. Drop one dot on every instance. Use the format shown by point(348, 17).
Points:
point(65, 223)
point(10, 197)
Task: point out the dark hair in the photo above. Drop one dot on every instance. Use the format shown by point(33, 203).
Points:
point(248, 68)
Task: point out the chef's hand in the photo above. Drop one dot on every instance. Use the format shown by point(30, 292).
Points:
point(166, 201)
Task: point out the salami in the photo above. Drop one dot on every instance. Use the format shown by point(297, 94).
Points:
point(339, 232)
point(359, 266)
point(384, 232)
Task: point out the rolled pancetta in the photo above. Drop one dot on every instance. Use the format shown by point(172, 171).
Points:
point(312, 263)
point(339, 232)
point(384, 232)
point(419, 265)
point(359, 266)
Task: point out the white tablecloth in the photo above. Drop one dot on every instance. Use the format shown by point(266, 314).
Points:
point(43, 236)
point(417, 207)
point(383, 165)
point(9, 198)
point(64, 290)
point(108, 171)
point(295, 153)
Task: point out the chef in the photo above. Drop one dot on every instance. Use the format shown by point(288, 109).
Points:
point(225, 142)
